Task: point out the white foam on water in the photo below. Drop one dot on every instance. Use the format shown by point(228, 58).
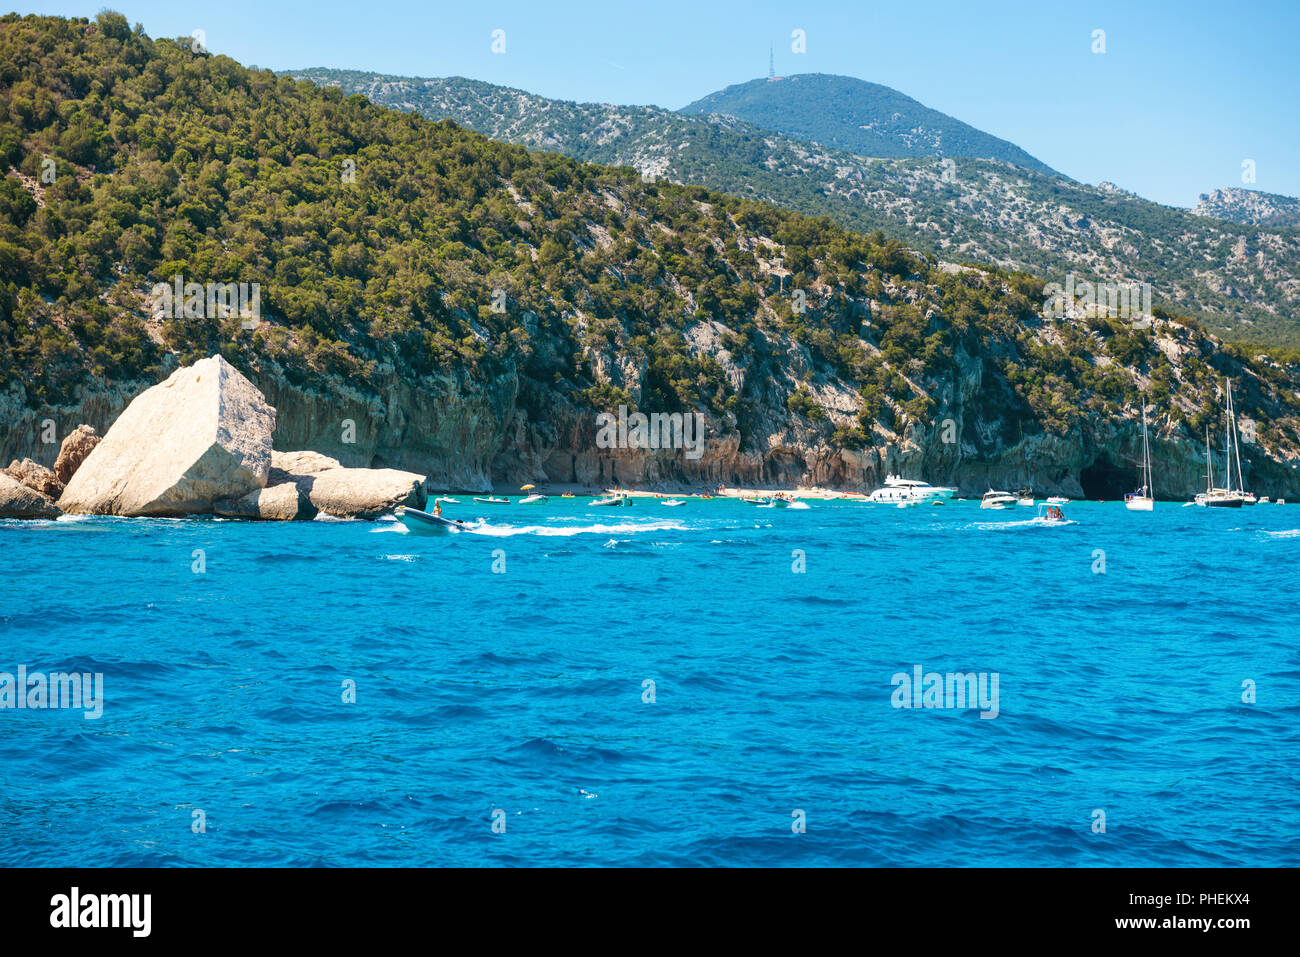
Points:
point(560, 531)
point(1285, 533)
point(1026, 523)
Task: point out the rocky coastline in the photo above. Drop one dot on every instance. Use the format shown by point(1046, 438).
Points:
point(181, 450)
point(199, 443)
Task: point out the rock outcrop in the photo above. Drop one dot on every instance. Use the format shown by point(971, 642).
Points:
point(304, 484)
point(19, 501)
point(201, 436)
point(328, 487)
point(74, 450)
point(36, 477)
point(291, 466)
point(285, 502)
point(365, 493)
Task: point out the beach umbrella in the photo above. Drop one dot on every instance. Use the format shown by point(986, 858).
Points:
point(527, 488)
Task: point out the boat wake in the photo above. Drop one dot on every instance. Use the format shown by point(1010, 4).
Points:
point(560, 531)
point(1027, 523)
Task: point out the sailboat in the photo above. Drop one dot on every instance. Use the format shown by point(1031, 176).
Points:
point(1142, 500)
point(1224, 497)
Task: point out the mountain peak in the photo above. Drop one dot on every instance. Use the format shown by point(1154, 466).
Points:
point(858, 116)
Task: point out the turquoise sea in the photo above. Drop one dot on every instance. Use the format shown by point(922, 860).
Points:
point(502, 711)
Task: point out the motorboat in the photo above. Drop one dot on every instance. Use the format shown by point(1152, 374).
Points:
point(898, 489)
point(614, 500)
point(532, 499)
point(447, 500)
point(1058, 500)
point(491, 500)
point(1025, 497)
point(994, 499)
point(427, 523)
point(672, 502)
point(1050, 514)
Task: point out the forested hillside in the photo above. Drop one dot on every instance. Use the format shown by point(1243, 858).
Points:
point(1237, 279)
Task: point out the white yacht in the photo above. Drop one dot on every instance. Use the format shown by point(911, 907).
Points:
point(897, 490)
point(994, 499)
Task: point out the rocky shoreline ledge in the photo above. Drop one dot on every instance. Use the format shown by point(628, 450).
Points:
point(199, 443)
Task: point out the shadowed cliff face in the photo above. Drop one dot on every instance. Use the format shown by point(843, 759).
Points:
point(468, 435)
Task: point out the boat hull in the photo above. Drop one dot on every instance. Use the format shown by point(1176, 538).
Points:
point(426, 523)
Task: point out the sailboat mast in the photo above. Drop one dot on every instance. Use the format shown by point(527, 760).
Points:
point(1146, 454)
point(1236, 443)
point(1209, 465)
point(1227, 437)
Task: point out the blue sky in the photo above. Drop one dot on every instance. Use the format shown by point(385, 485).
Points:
point(1182, 95)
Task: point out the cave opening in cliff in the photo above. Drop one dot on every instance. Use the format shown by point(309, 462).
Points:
point(1105, 480)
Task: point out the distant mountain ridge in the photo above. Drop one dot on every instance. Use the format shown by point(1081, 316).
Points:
point(1249, 206)
point(858, 117)
point(1236, 278)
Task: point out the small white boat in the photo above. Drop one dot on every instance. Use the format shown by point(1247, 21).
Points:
point(426, 523)
point(1263, 500)
point(994, 499)
point(492, 500)
point(447, 499)
point(1025, 497)
point(672, 502)
point(612, 501)
point(1050, 514)
point(533, 499)
point(1058, 500)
